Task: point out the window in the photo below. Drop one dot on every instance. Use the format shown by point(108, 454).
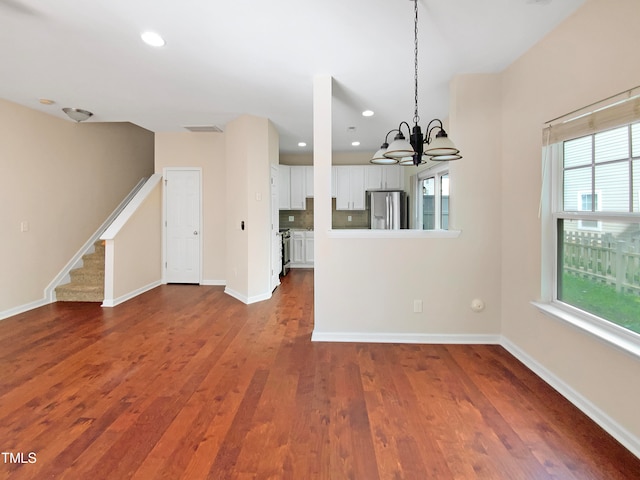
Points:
point(596, 219)
point(586, 202)
point(433, 202)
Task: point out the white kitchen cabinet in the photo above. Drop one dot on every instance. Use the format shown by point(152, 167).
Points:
point(334, 182)
point(297, 187)
point(384, 177)
point(308, 247)
point(350, 187)
point(284, 189)
point(373, 178)
point(302, 248)
point(292, 185)
point(308, 181)
point(297, 247)
point(393, 177)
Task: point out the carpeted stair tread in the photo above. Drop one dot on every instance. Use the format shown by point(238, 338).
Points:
point(87, 282)
point(79, 293)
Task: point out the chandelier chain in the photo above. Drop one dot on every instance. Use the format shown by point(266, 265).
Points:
point(416, 117)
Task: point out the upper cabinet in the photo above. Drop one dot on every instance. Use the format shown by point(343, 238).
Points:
point(350, 187)
point(309, 180)
point(384, 177)
point(349, 184)
point(295, 185)
point(284, 188)
point(298, 187)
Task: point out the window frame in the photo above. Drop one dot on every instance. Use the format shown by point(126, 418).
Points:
point(551, 209)
point(436, 172)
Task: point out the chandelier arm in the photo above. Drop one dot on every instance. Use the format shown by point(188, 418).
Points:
point(432, 121)
point(400, 128)
point(427, 139)
point(386, 137)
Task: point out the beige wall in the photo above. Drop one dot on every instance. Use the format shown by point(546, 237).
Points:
point(64, 179)
point(205, 151)
point(251, 146)
point(368, 286)
point(589, 57)
point(337, 158)
point(138, 248)
point(236, 172)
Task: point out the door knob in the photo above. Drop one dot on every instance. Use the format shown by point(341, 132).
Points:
point(195, 232)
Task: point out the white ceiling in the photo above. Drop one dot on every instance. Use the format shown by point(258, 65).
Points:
point(223, 59)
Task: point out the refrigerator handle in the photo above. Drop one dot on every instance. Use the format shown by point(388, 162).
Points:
point(387, 199)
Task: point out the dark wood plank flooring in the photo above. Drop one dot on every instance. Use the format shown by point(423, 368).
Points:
point(184, 382)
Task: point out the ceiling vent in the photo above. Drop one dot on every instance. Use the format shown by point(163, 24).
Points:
point(203, 128)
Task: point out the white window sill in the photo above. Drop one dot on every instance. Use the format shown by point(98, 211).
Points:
point(610, 333)
point(404, 233)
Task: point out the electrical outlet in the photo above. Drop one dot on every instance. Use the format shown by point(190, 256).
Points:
point(348, 218)
point(24, 226)
point(291, 218)
point(417, 306)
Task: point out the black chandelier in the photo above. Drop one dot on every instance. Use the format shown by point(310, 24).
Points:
point(419, 148)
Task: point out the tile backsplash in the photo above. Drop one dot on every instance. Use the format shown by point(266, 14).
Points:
point(340, 218)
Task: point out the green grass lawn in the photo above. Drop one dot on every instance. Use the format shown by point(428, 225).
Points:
point(602, 300)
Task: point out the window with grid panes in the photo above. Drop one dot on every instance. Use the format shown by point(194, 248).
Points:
point(598, 225)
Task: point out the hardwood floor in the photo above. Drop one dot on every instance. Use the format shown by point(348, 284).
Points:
point(184, 382)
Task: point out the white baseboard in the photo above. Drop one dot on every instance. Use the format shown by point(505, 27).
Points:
point(112, 302)
point(24, 308)
point(247, 300)
point(214, 283)
point(365, 337)
point(617, 431)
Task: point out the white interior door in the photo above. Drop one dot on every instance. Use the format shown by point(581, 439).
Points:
point(183, 244)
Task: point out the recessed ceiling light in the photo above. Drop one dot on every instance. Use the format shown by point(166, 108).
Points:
point(152, 39)
point(302, 144)
point(367, 113)
point(355, 144)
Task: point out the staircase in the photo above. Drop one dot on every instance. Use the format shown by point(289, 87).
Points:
point(87, 282)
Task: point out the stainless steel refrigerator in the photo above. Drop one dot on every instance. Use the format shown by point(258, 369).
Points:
point(387, 209)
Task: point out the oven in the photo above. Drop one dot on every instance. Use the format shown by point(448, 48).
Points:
point(286, 250)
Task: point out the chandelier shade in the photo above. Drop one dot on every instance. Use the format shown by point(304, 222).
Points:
point(379, 158)
point(411, 160)
point(399, 148)
point(445, 158)
point(441, 145)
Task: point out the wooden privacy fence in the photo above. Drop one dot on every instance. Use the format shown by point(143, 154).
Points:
point(605, 258)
